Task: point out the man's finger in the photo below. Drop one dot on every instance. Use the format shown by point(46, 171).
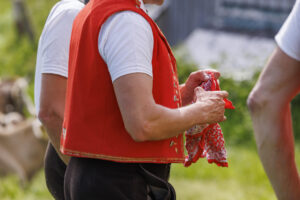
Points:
point(198, 89)
point(199, 76)
point(222, 94)
point(197, 92)
point(216, 73)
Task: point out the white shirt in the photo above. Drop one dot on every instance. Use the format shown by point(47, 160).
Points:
point(288, 38)
point(53, 48)
point(126, 44)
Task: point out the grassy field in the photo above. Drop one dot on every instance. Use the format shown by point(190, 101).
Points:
point(243, 179)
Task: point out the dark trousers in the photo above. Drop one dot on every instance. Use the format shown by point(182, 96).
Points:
point(95, 179)
point(54, 173)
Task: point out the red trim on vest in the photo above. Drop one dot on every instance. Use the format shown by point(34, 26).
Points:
point(93, 125)
point(138, 3)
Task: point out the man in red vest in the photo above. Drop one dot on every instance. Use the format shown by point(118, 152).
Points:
point(124, 118)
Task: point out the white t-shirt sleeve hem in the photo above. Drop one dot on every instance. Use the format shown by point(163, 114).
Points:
point(288, 37)
point(55, 69)
point(284, 47)
point(131, 70)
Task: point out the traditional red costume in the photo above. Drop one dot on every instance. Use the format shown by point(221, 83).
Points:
point(93, 126)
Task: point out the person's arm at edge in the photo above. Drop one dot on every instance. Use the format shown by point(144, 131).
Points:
point(269, 105)
point(145, 120)
point(52, 104)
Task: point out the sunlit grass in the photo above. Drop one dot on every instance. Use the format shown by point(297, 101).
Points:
point(243, 179)
point(10, 189)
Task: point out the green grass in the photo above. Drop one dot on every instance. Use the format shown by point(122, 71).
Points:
point(243, 179)
point(10, 189)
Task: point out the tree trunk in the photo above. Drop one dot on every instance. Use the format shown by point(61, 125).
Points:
point(22, 20)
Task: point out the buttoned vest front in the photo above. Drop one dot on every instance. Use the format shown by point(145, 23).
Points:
point(93, 126)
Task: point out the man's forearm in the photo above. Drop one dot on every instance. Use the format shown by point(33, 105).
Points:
point(53, 125)
point(52, 104)
point(273, 133)
point(162, 122)
point(156, 122)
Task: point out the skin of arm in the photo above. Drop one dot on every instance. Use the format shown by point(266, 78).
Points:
point(52, 105)
point(145, 120)
point(269, 105)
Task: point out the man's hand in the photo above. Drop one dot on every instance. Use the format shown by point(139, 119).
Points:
point(212, 105)
point(193, 81)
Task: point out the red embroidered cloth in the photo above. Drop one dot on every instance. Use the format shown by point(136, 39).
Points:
point(207, 140)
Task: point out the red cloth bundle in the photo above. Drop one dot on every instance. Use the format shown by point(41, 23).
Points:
point(207, 140)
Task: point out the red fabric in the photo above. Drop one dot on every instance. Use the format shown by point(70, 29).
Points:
point(207, 140)
point(138, 2)
point(93, 125)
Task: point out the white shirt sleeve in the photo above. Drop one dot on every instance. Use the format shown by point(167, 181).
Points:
point(288, 38)
point(126, 44)
point(55, 51)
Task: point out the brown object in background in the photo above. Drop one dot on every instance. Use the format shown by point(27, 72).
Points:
point(13, 97)
point(22, 141)
point(22, 149)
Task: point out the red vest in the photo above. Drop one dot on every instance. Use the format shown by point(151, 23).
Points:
point(93, 126)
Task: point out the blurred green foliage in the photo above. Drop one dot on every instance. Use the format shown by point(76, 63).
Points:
point(237, 128)
point(36, 190)
point(184, 68)
point(18, 54)
point(295, 106)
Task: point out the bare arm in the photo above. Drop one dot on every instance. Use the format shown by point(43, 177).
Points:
point(269, 104)
point(146, 120)
point(52, 105)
